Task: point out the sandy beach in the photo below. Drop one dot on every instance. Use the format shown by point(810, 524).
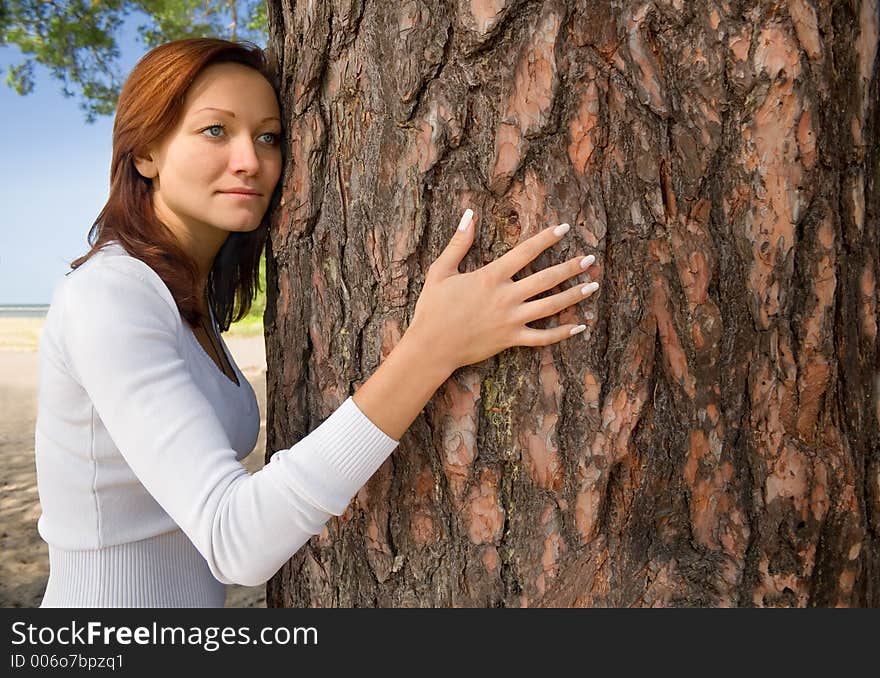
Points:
point(24, 558)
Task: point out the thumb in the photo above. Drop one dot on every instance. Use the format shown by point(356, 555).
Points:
point(447, 263)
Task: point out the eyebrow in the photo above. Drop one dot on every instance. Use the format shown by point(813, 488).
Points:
point(232, 115)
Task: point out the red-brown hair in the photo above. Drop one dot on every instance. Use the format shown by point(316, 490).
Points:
point(150, 106)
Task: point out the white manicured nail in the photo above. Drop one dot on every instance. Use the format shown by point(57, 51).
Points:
point(578, 329)
point(562, 229)
point(465, 220)
point(592, 287)
point(587, 260)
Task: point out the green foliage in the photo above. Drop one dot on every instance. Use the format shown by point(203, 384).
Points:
point(76, 39)
point(259, 304)
point(252, 323)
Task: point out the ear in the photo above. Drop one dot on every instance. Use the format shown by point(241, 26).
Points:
point(146, 166)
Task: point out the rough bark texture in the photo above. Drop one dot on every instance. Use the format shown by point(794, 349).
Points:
point(712, 438)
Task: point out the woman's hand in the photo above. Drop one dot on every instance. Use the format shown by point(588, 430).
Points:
point(468, 317)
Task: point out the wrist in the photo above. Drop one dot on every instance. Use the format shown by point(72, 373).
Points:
point(398, 390)
point(427, 356)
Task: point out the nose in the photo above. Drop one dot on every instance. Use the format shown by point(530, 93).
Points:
point(244, 157)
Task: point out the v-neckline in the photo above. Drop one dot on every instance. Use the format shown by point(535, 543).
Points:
point(219, 368)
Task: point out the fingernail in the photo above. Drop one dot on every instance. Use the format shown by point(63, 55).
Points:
point(587, 260)
point(562, 229)
point(465, 220)
point(578, 329)
point(586, 289)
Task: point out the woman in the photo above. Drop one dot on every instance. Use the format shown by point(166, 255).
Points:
point(143, 415)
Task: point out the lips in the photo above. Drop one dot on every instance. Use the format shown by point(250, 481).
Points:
point(242, 191)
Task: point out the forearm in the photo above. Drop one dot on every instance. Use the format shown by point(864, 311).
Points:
point(401, 386)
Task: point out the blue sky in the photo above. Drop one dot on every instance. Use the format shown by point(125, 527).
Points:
point(54, 177)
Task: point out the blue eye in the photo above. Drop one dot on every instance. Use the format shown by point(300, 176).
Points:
point(275, 140)
point(215, 126)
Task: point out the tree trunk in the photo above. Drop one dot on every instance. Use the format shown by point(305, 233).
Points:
point(712, 438)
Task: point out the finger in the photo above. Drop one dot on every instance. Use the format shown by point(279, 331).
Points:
point(450, 258)
point(529, 336)
point(508, 265)
point(552, 276)
point(541, 308)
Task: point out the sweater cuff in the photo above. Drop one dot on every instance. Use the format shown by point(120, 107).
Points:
point(339, 457)
point(355, 446)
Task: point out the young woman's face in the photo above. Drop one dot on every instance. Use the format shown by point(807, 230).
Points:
point(215, 172)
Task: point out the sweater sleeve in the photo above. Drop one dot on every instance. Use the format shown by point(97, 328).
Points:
point(122, 345)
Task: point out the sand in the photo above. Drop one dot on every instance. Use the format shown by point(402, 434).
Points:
point(24, 557)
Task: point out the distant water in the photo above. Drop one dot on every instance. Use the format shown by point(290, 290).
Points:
point(24, 311)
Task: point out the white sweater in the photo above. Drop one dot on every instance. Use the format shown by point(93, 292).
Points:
point(139, 438)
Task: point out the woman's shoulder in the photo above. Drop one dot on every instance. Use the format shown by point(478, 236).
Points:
point(113, 280)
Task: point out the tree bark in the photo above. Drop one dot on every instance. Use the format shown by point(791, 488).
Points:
point(713, 437)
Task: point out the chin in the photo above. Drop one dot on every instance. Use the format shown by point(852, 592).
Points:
point(241, 228)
